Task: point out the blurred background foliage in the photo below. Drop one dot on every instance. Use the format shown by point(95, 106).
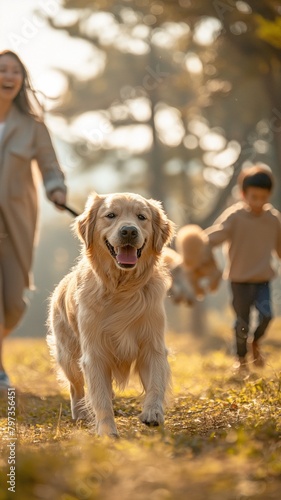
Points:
point(167, 98)
point(173, 98)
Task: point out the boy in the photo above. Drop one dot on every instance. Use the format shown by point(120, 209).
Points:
point(252, 230)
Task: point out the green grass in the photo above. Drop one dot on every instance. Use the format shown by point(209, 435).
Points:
point(221, 439)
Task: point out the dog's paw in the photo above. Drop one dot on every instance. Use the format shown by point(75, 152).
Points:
point(77, 420)
point(114, 435)
point(79, 411)
point(80, 415)
point(106, 427)
point(152, 417)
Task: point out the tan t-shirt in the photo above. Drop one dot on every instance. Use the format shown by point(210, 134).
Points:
point(251, 241)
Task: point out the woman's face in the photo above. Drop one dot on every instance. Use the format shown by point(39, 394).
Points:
point(11, 77)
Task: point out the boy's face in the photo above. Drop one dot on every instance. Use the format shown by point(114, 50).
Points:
point(256, 198)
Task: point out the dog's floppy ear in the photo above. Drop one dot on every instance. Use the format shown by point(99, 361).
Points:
point(84, 225)
point(163, 228)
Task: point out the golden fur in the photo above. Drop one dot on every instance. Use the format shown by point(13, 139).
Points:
point(198, 259)
point(108, 313)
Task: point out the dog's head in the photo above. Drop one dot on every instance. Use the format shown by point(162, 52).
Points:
point(124, 227)
point(191, 244)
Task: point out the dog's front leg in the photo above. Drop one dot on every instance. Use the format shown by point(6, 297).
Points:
point(98, 379)
point(155, 375)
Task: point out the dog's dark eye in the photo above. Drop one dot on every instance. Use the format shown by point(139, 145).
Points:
point(111, 215)
point(141, 217)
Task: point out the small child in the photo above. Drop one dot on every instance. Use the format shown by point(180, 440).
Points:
point(252, 230)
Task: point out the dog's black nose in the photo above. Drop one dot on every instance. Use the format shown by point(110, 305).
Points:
point(129, 232)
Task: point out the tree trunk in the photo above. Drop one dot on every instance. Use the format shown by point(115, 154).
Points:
point(157, 180)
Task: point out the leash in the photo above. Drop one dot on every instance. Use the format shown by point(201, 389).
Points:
point(70, 210)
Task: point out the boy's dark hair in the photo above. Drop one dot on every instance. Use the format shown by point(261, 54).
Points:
point(256, 176)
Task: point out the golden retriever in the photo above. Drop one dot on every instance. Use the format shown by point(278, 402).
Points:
point(108, 313)
point(198, 259)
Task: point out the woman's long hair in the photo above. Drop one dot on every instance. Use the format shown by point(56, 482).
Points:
point(26, 100)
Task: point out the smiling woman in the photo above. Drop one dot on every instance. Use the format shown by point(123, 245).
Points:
point(24, 137)
point(11, 77)
point(14, 86)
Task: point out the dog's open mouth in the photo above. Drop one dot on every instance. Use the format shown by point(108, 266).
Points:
point(126, 256)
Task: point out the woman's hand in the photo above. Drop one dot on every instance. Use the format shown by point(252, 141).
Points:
point(58, 197)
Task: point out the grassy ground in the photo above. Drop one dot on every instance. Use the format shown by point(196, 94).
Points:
point(221, 439)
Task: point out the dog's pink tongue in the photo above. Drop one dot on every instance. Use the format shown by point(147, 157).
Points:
point(127, 255)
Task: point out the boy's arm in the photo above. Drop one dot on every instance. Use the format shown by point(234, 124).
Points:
point(220, 231)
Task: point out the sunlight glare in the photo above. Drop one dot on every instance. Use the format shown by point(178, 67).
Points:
point(162, 39)
point(207, 30)
point(66, 17)
point(198, 126)
point(141, 31)
point(96, 23)
point(225, 158)
point(169, 33)
point(92, 126)
point(243, 7)
point(263, 127)
point(190, 141)
point(53, 84)
point(193, 63)
point(261, 146)
point(91, 60)
point(118, 111)
point(169, 125)
point(139, 109)
point(177, 30)
point(130, 45)
point(58, 127)
point(129, 16)
point(238, 28)
point(219, 178)
point(212, 141)
point(133, 138)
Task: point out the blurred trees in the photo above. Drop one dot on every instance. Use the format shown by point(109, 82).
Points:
point(174, 98)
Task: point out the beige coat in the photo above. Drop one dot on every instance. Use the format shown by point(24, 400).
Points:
point(25, 139)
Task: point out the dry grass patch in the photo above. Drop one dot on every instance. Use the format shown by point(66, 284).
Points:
point(221, 439)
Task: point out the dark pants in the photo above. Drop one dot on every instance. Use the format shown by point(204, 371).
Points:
point(245, 296)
